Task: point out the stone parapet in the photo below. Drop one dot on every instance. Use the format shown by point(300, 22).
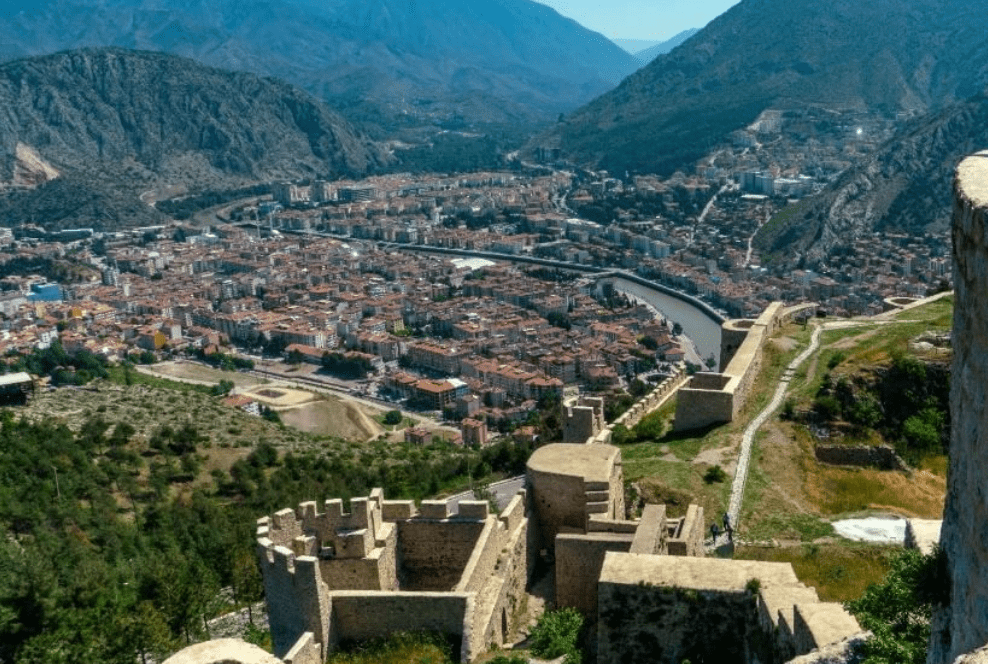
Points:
point(685, 537)
point(651, 533)
point(819, 624)
point(667, 609)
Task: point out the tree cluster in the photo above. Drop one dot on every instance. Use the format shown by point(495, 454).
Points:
point(346, 366)
point(897, 611)
point(908, 403)
point(63, 368)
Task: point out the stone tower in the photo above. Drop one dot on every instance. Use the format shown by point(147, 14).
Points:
point(963, 625)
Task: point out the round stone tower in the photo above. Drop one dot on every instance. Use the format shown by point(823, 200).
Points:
point(963, 625)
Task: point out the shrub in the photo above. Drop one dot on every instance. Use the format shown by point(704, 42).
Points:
point(557, 633)
point(714, 474)
point(827, 407)
point(393, 417)
point(506, 659)
point(898, 610)
point(864, 411)
point(922, 431)
point(835, 359)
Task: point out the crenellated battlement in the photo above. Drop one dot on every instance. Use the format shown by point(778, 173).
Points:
point(309, 556)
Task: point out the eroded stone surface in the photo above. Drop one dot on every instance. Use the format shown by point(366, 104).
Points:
point(842, 652)
point(963, 626)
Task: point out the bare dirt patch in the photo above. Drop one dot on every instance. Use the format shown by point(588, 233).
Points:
point(333, 417)
point(725, 457)
point(785, 344)
point(280, 397)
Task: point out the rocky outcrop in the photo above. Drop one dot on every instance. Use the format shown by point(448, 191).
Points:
point(168, 117)
point(963, 625)
point(93, 129)
point(903, 187)
point(979, 656)
point(913, 55)
point(846, 651)
point(863, 456)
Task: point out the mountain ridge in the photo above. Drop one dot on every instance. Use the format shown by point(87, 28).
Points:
point(116, 120)
point(904, 186)
point(913, 55)
point(490, 60)
point(647, 55)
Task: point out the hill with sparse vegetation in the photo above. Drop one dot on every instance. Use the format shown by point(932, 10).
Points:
point(902, 55)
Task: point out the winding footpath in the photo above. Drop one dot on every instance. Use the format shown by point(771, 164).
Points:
point(748, 438)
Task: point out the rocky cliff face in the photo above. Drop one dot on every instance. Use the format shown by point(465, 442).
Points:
point(168, 117)
point(963, 626)
point(904, 187)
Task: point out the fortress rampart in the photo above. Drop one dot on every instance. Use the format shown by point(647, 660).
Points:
point(583, 420)
point(666, 609)
point(569, 484)
point(331, 577)
point(716, 398)
point(334, 576)
point(963, 625)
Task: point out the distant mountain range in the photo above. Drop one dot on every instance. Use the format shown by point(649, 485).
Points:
point(112, 119)
point(633, 46)
point(916, 55)
point(475, 60)
point(904, 187)
point(645, 56)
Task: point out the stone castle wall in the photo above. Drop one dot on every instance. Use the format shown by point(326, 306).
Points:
point(687, 536)
point(862, 456)
point(649, 605)
point(361, 615)
point(434, 554)
point(297, 597)
point(717, 398)
point(569, 485)
point(583, 420)
point(483, 558)
point(334, 577)
point(651, 401)
point(963, 626)
point(667, 609)
point(578, 562)
point(501, 591)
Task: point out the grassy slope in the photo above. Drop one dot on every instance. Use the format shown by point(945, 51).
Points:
point(790, 497)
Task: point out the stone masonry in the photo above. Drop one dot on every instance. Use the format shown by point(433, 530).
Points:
point(582, 419)
point(963, 626)
point(716, 398)
point(333, 576)
point(386, 566)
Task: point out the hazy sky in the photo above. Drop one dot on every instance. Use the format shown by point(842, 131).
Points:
point(641, 19)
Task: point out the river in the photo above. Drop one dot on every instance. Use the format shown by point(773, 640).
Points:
point(702, 330)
